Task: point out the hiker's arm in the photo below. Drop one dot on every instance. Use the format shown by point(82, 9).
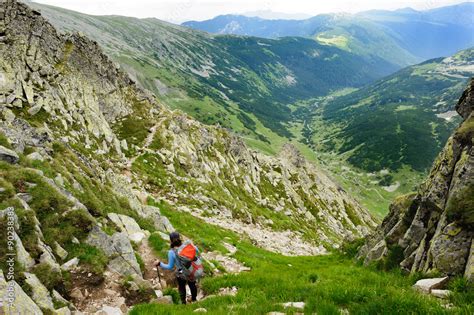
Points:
point(171, 258)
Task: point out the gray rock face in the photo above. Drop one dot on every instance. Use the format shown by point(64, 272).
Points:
point(40, 293)
point(128, 225)
point(435, 226)
point(21, 302)
point(8, 155)
point(117, 247)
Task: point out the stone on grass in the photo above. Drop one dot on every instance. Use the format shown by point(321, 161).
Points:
point(426, 285)
point(200, 310)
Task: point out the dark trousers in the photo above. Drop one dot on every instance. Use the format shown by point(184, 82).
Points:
point(182, 289)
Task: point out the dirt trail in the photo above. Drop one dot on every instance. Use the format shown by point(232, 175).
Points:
point(146, 253)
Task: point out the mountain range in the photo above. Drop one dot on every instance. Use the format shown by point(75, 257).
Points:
point(403, 36)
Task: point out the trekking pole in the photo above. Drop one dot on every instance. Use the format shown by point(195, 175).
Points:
point(158, 272)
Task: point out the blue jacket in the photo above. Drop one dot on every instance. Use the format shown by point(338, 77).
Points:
point(172, 259)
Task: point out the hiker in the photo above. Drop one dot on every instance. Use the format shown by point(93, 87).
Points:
point(188, 265)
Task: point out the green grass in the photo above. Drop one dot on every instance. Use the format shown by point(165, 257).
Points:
point(89, 256)
point(326, 284)
point(159, 245)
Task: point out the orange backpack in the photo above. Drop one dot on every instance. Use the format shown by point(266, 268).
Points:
point(189, 265)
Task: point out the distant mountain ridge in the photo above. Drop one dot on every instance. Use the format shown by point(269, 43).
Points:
point(421, 34)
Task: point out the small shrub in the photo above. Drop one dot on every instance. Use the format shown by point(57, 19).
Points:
point(4, 141)
point(394, 257)
point(89, 255)
point(460, 284)
point(174, 294)
point(350, 249)
point(313, 278)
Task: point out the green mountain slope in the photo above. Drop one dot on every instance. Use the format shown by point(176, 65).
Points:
point(242, 83)
point(409, 109)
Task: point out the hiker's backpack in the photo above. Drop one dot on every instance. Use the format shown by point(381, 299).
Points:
point(189, 265)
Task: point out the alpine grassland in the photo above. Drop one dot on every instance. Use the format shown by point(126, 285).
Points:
point(327, 284)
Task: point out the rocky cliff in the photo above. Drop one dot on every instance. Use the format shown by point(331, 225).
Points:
point(84, 151)
point(432, 230)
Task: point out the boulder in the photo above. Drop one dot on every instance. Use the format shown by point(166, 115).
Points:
point(125, 263)
point(128, 225)
point(8, 155)
point(160, 222)
point(47, 257)
point(61, 252)
point(70, 264)
point(145, 284)
point(21, 303)
point(40, 293)
point(117, 247)
point(426, 285)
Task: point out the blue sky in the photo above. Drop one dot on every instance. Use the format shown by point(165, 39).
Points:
point(183, 10)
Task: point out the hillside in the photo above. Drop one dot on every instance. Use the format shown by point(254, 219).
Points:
point(431, 231)
point(401, 36)
point(408, 109)
point(242, 83)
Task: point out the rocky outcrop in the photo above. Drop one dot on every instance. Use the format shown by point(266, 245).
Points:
point(434, 228)
point(118, 248)
point(15, 300)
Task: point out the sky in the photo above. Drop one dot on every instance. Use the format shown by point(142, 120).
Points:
point(178, 11)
